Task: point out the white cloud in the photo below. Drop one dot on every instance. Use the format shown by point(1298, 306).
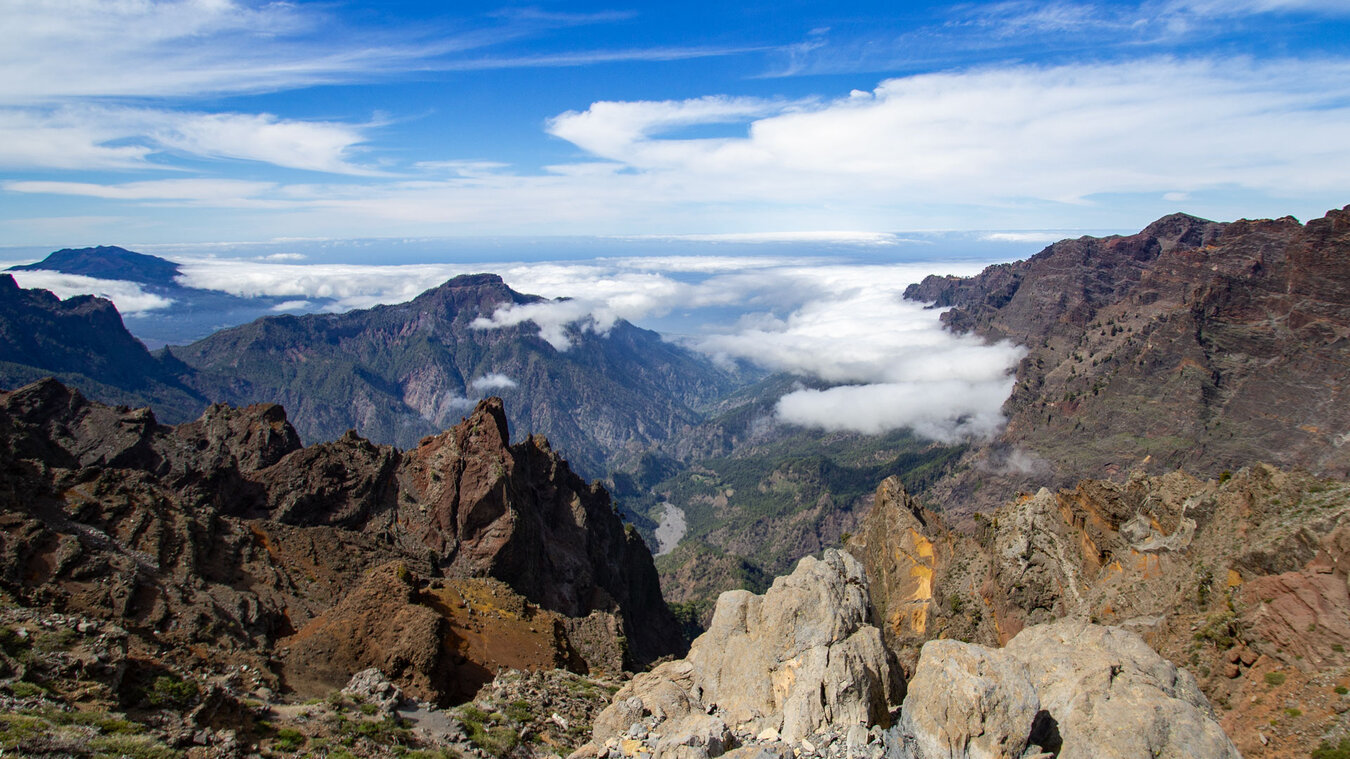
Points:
point(310, 145)
point(157, 48)
point(492, 381)
point(102, 137)
point(947, 411)
point(552, 318)
point(347, 286)
point(841, 324)
point(214, 191)
point(70, 49)
point(844, 237)
point(127, 296)
point(1032, 236)
point(956, 150)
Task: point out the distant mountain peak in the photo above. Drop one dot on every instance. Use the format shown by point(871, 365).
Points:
point(109, 262)
point(474, 280)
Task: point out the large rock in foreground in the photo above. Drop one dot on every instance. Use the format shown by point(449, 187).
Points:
point(801, 657)
point(1069, 688)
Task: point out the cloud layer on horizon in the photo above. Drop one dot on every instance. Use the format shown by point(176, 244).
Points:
point(889, 362)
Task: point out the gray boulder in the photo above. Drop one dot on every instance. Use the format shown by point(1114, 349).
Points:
point(968, 700)
point(1110, 694)
point(1068, 688)
point(372, 687)
point(799, 658)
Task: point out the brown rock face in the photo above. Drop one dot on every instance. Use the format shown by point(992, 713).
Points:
point(914, 565)
point(441, 640)
point(221, 536)
point(1191, 344)
point(1233, 580)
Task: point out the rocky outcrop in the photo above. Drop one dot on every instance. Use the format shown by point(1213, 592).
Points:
point(1234, 580)
point(798, 673)
point(221, 537)
point(1068, 689)
point(922, 575)
point(799, 658)
point(1190, 344)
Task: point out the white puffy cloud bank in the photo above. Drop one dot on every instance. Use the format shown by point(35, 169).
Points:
point(888, 362)
point(1110, 144)
point(127, 296)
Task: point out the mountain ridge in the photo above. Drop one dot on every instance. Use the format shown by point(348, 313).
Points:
point(1192, 344)
point(413, 367)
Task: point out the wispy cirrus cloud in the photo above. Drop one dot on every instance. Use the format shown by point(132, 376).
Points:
point(228, 192)
point(1004, 146)
point(58, 51)
point(105, 137)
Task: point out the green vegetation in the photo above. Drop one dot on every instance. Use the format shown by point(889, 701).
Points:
point(687, 614)
point(389, 731)
point(1220, 628)
point(98, 735)
point(1328, 751)
point(1341, 690)
point(1275, 678)
point(760, 489)
point(21, 689)
point(518, 711)
point(486, 731)
point(289, 739)
point(130, 747)
point(170, 692)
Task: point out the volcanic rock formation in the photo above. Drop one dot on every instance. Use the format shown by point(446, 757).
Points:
point(221, 537)
point(1235, 580)
point(1192, 344)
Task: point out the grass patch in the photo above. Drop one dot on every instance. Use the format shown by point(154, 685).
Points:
point(486, 731)
point(390, 731)
point(1328, 751)
point(289, 739)
point(17, 728)
point(101, 721)
point(518, 711)
point(1275, 678)
point(131, 747)
point(22, 689)
point(170, 692)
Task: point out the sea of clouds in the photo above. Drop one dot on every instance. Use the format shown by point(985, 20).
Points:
point(887, 362)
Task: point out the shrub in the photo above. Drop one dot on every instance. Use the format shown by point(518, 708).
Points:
point(289, 739)
point(168, 692)
point(1328, 751)
point(1275, 678)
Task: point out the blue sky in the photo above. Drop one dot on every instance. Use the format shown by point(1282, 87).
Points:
point(134, 121)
